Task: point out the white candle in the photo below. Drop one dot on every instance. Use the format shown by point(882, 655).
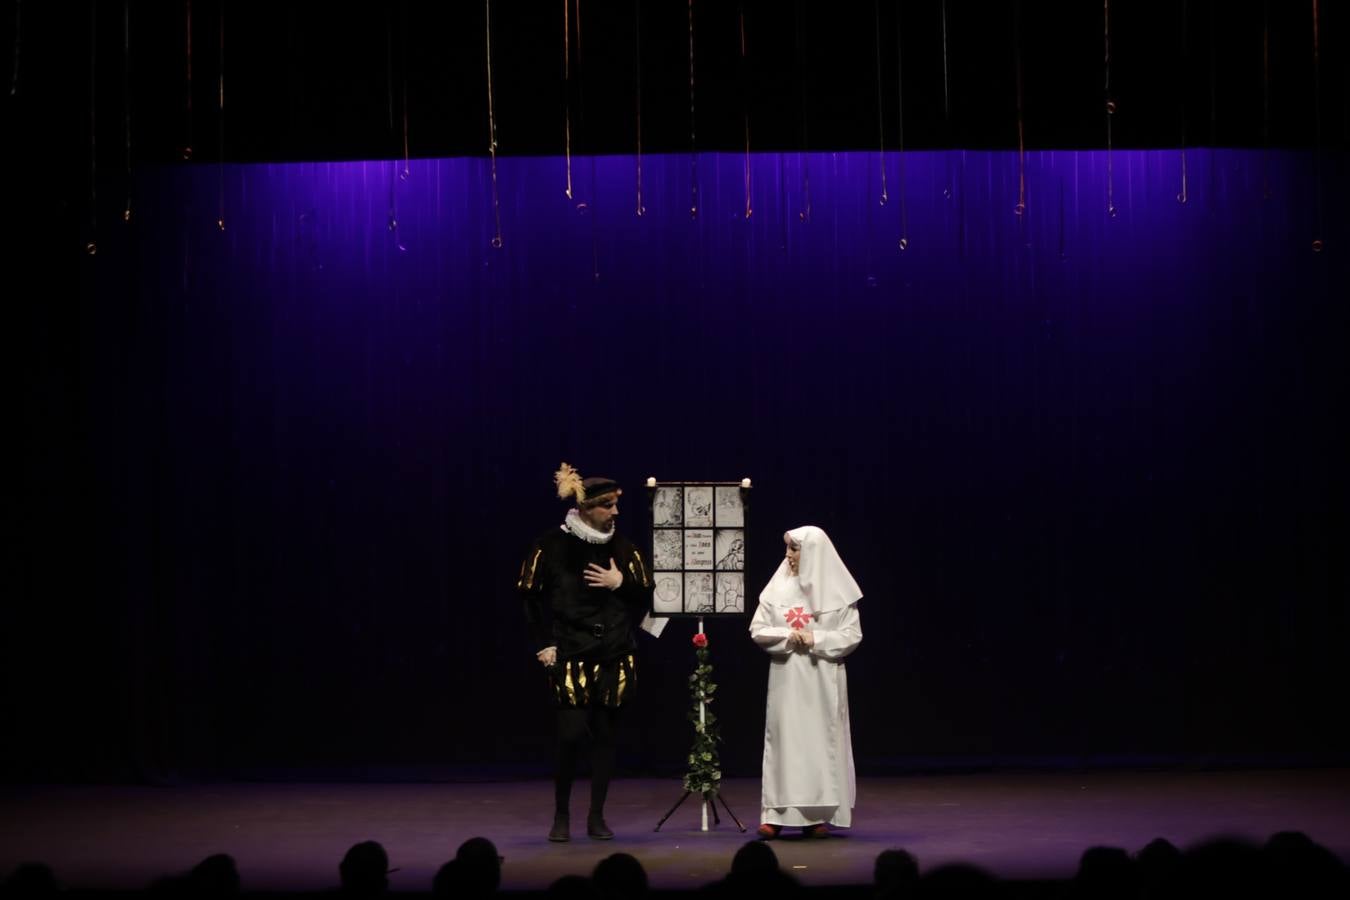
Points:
point(651, 482)
point(745, 482)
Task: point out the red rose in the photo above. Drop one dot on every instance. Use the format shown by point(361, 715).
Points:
point(700, 640)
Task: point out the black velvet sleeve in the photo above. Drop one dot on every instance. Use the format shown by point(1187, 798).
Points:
point(636, 590)
point(530, 585)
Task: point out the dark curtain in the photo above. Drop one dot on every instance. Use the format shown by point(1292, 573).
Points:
point(1088, 468)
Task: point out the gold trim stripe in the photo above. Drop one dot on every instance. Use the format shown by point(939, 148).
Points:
point(526, 580)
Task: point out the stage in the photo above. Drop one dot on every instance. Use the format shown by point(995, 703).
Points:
point(290, 837)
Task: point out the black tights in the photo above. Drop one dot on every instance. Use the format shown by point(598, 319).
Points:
point(574, 725)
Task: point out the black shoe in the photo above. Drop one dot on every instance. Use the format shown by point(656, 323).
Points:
point(596, 829)
point(560, 832)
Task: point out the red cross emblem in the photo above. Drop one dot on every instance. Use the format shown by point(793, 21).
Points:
point(797, 617)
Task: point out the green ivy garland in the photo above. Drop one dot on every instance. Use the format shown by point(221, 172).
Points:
point(704, 773)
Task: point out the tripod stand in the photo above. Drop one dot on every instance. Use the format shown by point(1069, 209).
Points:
point(708, 804)
point(709, 798)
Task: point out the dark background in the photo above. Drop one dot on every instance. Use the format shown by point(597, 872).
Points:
point(272, 482)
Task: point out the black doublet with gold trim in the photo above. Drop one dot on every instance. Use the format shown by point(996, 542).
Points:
point(592, 627)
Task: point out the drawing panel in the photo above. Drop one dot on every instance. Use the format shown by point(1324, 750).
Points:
point(698, 548)
point(730, 512)
point(668, 507)
point(698, 506)
point(698, 592)
point(730, 549)
point(667, 548)
point(730, 592)
point(669, 594)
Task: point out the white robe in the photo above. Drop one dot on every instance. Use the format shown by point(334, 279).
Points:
point(808, 755)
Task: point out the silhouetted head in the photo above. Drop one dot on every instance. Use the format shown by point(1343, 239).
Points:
point(448, 881)
point(1227, 868)
point(619, 876)
point(957, 880)
point(754, 857)
point(1105, 872)
point(755, 872)
point(365, 869)
point(480, 866)
point(1296, 866)
point(896, 871)
point(30, 880)
point(1156, 864)
point(215, 876)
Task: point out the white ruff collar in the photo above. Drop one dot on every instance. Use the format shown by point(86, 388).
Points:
point(575, 524)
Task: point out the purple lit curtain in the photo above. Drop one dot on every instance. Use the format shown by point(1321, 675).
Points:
point(1088, 469)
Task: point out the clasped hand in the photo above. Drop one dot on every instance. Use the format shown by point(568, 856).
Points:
point(802, 639)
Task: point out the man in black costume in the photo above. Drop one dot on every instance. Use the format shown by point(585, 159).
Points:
point(585, 588)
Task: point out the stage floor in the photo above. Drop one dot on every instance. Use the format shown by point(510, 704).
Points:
point(290, 837)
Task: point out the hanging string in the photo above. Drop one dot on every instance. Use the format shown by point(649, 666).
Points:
point(187, 144)
point(578, 21)
point(1110, 107)
point(900, 119)
point(582, 206)
point(389, 70)
point(1183, 195)
point(881, 124)
point(581, 100)
point(637, 95)
point(782, 205)
point(392, 204)
point(1213, 110)
point(745, 107)
point(595, 230)
point(91, 247)
point(805, 214)
point(220, 127)
point(492, 132)
point(567, 98)
point(403, 175)
point(126, 101)
point(1062, 254)
point(1021, 206)
point(18, 30)
point(1317, 127)
point(1265, 100)
point(946, 106)
point(693, 140)
point(1213, 82)
point(403, 41)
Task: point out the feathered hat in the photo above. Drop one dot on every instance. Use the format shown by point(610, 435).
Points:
point(585, 491)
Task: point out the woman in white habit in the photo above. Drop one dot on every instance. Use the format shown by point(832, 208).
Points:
point(807, 621)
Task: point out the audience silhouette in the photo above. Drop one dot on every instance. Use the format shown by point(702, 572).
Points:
point(30, 880)
point(1105, 873)
point(364, 871)
point(619, 876)
point(479, 866)
point(572, 887)
point(755, 872)
point(895, 875)
point(1289, 865)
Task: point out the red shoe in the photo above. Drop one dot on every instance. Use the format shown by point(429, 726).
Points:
point(768, 832)
point(820, 830)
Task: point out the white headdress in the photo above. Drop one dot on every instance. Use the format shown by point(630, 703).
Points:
point(823, 581)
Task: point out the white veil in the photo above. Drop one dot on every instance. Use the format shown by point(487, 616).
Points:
point(823, 581)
